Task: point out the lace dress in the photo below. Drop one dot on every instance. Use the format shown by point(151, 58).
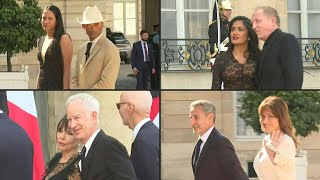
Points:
point(234, 75)
point(63, 171)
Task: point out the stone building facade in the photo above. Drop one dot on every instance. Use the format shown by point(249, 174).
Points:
point(189, 19)
point(143, 14)
point(178, 141)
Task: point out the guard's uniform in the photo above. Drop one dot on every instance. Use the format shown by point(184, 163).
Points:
point(213, 33)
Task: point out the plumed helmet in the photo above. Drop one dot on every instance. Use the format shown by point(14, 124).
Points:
point(225, 4)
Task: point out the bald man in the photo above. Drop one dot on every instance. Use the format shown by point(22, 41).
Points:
point(134, 108)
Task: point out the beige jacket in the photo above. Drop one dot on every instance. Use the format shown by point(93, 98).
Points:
point(285, 161)
point(101, 69)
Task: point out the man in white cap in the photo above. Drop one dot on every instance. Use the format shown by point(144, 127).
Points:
point(98, 60)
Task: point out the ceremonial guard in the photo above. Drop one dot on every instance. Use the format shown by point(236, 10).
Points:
point(218, 37)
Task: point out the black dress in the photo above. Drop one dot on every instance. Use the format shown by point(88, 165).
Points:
point(51, 69)
point(63, 171)
point(234, 75)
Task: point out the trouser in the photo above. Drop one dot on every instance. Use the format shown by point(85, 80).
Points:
point(143, 76)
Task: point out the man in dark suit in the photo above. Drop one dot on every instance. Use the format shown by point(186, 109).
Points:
point(214, 156)
point(280, 64)
point(134, 108)
point(154, 39)
point(16, 148)
point(142, 60)
point(102, 157)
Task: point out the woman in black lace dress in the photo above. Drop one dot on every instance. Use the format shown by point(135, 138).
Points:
point(54, 52)
point(236, 67)
point(64, 164)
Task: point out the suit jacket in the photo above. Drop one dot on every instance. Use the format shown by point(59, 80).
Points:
point(107, 159)
point(3, 102)
point(218, 160)
point(100, 70)
point(145, 153)
point(137, 57)
point(280, 65)
point(16, 151)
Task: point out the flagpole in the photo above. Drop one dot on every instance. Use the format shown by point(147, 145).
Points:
point(218, 23)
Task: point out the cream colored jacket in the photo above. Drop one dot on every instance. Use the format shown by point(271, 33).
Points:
point(284, 160)
point(101, 69)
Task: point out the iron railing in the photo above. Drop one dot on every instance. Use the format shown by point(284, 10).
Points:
point(310, 50)
point(184, 54)
point(194, 54)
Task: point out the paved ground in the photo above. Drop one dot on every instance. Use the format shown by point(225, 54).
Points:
point(126, 79)
point(202, 79)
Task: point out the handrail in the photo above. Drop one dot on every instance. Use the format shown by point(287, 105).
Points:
point(194, 54)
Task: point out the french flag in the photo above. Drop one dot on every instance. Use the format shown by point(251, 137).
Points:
point(154, 115)
point(22, 110)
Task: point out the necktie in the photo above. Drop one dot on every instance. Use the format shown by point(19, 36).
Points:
point(83, 155)
point(196, 157)
point(145, 51)
point(88, 50)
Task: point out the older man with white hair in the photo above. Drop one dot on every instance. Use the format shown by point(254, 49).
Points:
point(98, 60)
point(134, 108)
point(102, 157)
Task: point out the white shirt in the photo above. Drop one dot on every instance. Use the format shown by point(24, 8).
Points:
point(90, 141)
point(1, 111)
point(142, 45)
point(45, 46)
point(94, 42)
point(204, 138)
point(88, 145)
point(284, 159)
point(138, 127)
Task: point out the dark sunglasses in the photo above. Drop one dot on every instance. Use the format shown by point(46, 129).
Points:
point(118, 104)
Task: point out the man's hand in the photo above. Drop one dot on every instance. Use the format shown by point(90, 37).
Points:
point(135, 71)
point(153, 71)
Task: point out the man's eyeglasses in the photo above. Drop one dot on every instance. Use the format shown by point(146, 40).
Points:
point(118, 104)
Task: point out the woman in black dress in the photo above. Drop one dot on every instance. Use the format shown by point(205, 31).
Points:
point(236, 67)
point(64, 164)
point(54, 52)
